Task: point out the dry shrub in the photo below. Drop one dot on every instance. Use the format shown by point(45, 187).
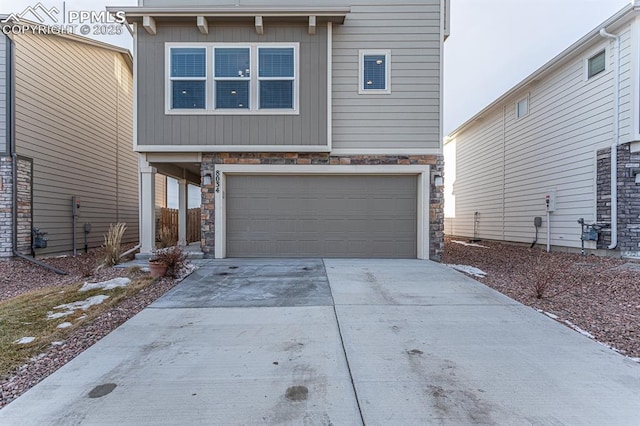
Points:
point(167, 237)
point(174, 258)
point(112, 241)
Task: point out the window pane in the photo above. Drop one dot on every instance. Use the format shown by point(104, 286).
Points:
point(275, 62)
point(188, 94)
point(276, 94)
point(232, 94)
point(232, 62)
point(522, 108)
point(188, 62)
point(597, 64)
point(375, 70)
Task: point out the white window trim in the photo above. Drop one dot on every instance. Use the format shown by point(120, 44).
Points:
point(422, 174)
point(524, 98)
point(361, 89)
point(592, 54)
point(210, 80)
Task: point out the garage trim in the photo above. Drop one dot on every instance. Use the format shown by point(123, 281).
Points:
point(222, 170)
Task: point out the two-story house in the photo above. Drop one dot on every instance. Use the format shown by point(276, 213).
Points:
point(544, 150)
point(66, 126)
point(312, 129)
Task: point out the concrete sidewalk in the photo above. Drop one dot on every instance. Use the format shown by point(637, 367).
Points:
point(388, 342)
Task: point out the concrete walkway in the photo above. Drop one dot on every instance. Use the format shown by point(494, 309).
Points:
point(379, 342)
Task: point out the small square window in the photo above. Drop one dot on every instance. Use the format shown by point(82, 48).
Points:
point(596, 64)
point(522, 108)
point(375, 67)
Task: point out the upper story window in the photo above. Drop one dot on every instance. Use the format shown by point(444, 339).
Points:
point(212, 78)
point(522, 107)
point(596, 64)
point(375, 70)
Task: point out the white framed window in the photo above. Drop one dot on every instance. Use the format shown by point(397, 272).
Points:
point(595, 64)
point(522, 107)
point(232, 78)
point(375, 72)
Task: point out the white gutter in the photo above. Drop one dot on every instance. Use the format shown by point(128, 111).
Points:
point(616, 137)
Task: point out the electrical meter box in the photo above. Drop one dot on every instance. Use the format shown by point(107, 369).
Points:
point(550, 200)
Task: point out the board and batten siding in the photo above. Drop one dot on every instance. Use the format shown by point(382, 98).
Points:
point(505, 165)
point(4, 98)
point(74, 118)
point(407, 119)
point(157, 128)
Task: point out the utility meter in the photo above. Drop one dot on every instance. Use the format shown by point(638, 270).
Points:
point(75, 205)
point(550, 200)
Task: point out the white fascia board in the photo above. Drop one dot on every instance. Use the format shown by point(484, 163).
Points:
point(232, 148)
point(385, 151)
point(611, 25)
point(322, 169)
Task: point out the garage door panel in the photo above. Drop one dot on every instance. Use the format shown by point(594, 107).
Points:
point(327, 216)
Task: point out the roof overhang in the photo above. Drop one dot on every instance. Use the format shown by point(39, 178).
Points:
point(613, 24)
point(201, 16)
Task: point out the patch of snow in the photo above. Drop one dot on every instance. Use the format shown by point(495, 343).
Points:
point(25, 340)
point(72, 307)
point(464, 243)
point(57, 343)
point(579, 330)
point(550, 315)
point(64, 325)
point(107, 285)
point(83, 304)
point(57, 315)
point(469, 270)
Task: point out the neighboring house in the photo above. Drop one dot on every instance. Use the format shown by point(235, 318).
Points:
point(312, 128)
point(66, 124)
point(552, 136)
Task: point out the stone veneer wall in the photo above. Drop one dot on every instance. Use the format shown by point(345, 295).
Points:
point(25, 205)
point(6, 206)
point(628, 199)
point(436, 202)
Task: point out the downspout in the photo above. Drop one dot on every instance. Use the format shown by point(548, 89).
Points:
point(14, 161)
point(616, 137)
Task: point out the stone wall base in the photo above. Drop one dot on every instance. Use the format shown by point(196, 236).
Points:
point(436, 202)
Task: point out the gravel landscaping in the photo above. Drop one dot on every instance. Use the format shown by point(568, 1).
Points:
point(19, 277)
point(597, 296)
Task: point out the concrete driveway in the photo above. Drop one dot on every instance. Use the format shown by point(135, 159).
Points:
point(342, 342)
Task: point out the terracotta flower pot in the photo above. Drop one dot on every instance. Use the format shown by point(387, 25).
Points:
point(157, 269)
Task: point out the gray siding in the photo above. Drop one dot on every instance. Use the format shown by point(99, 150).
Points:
point(504, 165)
point(321, 216)
point(4, 98)
point(157, 128)
point(74, 118)
point(409, 117)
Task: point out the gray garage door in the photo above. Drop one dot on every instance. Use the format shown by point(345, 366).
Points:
point(328, 216)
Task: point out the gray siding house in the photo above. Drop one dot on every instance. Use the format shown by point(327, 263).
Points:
point(551, 137)
point(66, 128)
point(313, 129)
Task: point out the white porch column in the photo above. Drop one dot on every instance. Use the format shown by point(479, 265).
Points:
point(182, 212)
point(147, 208)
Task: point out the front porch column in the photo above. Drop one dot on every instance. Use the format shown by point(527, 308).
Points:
point(147, 209)
point(182, 212)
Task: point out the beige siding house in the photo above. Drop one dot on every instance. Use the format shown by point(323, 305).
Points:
point(312, 128)
point(551, 137)
point(67, 134)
